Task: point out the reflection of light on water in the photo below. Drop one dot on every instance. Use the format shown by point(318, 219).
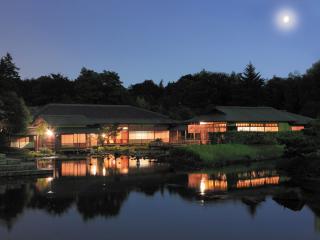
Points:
point(202, 186)
point(73, 168)
point(43, 184)
point(94, 166)
point(44, 164)
point(49, 179)
point(93, 170)
point(142, 162)
point(258, 182)
point(204, 183)
point(218, 182)
point(132, 163)
point(124, 171)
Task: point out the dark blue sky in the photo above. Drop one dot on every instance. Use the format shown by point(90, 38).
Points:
point(164, 39)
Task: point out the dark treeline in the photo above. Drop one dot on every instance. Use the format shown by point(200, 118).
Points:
point(191, 94)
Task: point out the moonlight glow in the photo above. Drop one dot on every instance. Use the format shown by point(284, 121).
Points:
point(286, 19)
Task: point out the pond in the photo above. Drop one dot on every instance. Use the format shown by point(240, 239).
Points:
point(129, 198)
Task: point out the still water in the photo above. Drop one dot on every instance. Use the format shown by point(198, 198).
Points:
point(129, 198)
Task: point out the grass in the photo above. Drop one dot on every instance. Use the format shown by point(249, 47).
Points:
point(234, 152)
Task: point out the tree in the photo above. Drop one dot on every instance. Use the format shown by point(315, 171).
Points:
point(275, 92)
point(310, 87)
point(192, 93)
point(9, 76)
point(251, 86)
point(14, 115)
point(41, 128)
point(100, 88)
point(54, 88)
point(108, 132)
point(250, 77)
point(149, 91)
point(142, 103)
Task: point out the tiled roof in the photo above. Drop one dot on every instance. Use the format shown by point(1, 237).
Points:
point(89, 114)
point(251, 114)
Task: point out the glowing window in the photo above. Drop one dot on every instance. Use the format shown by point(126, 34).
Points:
point(20, 142)
point(257, 127)
point(141, 135)
point(70, 139)
point(206, 127)
point(297, 128)
point(163, 135)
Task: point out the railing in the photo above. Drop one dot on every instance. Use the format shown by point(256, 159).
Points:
point(145, 141)
point(185, 141)
point(135, 142)
point(74, 145)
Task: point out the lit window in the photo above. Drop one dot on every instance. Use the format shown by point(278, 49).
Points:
point(257, 127)
point(71, 139)
point(20, 142)
point(207, 127)
point(141, 135)
point(163, 135)
point(297, 128)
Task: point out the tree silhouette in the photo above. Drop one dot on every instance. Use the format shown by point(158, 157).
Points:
point(9, 76)
point(14, 115)
point(189, 95)
point(251, 85)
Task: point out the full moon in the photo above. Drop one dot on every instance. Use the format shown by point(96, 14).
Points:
point(286, 19)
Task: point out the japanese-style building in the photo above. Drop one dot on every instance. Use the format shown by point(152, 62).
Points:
point(80, 126)
point(244, 119)
point(63, 126)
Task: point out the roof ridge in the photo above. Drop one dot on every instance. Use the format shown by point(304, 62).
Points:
point(86, 104)
point(59, 115)
point(79, 110)
point(102, 105)
point(246, 107)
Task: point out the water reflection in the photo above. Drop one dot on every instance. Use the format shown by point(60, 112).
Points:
point(205, 182)
point(219, 182)
point(99, 166)
point(93, 196)
point(102, 166)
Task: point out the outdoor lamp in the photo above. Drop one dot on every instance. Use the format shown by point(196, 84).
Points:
point(49, 132)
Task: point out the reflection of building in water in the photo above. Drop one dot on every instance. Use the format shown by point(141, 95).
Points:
point(221, 182)
point(74, 168)
point(95, 166)
point(257, 178)
point(43, 183)
point(204, 183)
point(258, 182)
point(45, 163)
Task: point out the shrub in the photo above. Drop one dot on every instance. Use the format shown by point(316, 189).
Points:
point(157, 143)
point(45, 151)
point(297, 144)
point(249, 138)
point(42, 152)
point(182, 158)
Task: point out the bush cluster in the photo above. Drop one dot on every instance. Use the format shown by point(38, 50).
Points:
point(305, 143)
point(248, 138)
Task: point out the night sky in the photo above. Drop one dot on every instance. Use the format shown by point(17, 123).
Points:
point(164, 39)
